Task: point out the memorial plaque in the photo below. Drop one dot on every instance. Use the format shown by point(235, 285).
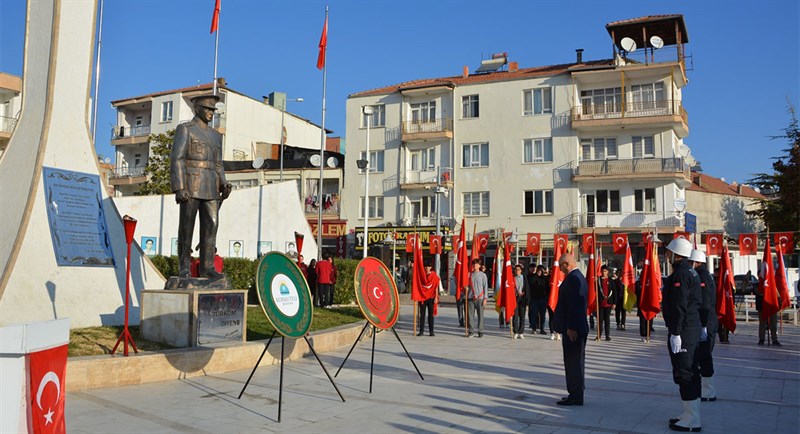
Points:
point(77, 221)
point(376, 293)
point(220, 317)
point(284, 295)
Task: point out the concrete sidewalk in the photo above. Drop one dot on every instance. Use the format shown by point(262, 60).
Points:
point(493, 384)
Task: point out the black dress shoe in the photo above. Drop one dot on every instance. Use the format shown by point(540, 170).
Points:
point(776, 344)
point(419, 334)
point(674, 420)
point(570, 402)
point(712, 399)
point(674, 427)
point(431, 334)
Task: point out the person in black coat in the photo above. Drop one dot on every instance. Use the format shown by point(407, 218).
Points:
point(570, 320)
point(540, 287)
point(708, 320)
point(606, 298)
point(619, 290)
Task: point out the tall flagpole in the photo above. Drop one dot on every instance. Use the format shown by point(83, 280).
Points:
point(97, 77)
point(216, 47)
point(322, 138)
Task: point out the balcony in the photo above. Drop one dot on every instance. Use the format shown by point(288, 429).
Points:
point(127, 135)
point(633, 169)
point(605, 222)
point(420, 179)
point(331, 204)
point(441, 128)
point(127, 176)
point(7, 125)
point(660, 113)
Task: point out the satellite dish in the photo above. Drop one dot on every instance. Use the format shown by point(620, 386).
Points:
point(315, 160)
point(220, 106)
point(107, 160)
point(628, 44)
point(258, 162)
point(684, 150)
point(656, 42)
point(332, 161)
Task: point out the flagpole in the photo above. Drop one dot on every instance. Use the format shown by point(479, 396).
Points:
point(216, 49)
point(596, 286)
point(322, 145)
point(97, 77)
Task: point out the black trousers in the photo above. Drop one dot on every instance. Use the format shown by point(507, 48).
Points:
point(643, 324)
point(426, 309)
point(620, 314)
point(704, 359)
point(685, 371)
point(604, 322)
point(209, 221)
point(325, 291)
point(519, 315)
point(536, 315)
point(575, 364)
point(460, 309)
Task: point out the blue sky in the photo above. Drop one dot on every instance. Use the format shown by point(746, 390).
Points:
point(744, 53)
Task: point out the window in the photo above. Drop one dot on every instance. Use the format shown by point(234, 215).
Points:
point(538, 202)
point(538, 101)
point(244, 183)
point(643, 147)
point(537, 150)
point(603, 201)
point(376, 119)
point(469, 106)
point(375, 207)
point(424, 159)
point(601, 101)
point(647, 96)
point(375, 161)
point(475, 155)
point(476, 204)
point(139, 121)
point(599, 149)
point(644, 200)
point(423, 112)
point(137, 160)
point(423, 207)
point(166, 111)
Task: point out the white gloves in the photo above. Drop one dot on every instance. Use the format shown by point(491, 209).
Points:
point(704, 335)
point(675, 344)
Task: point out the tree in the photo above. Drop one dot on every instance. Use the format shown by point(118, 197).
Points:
point(780, 211)
point(157, 170)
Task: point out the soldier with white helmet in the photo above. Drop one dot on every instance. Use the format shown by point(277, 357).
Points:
point(708, 320)
point(680, 307)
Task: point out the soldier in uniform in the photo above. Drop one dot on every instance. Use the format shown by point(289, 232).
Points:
point(681, 304)
point(708, 320)
point(198, 181)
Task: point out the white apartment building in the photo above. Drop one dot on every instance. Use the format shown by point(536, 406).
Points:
point(10, 105)
point(251, 129)
point(571, 148)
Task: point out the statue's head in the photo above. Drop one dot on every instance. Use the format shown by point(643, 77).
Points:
point(204, 106)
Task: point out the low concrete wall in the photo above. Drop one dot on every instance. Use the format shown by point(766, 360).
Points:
point(93, 372)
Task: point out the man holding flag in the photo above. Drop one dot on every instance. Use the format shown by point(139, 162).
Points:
point(767, 302)
point(708, 320)
point(681, 305)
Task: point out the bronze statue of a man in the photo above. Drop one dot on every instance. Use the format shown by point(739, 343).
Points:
point(198, 181)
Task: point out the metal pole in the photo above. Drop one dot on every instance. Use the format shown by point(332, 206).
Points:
point(321, 150)
point(283, 142)
point(368, 114)
point(216, 51)
point(437, 256)
point(394, 253)
point(97, 77)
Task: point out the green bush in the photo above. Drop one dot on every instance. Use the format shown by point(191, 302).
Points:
point(241, 273)
point(344, 292)
point(166, 265)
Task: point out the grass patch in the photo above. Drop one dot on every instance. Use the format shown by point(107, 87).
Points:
point(94, 341)
point(258, 327)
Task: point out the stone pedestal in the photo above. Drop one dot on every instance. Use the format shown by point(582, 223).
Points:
point(188, 318)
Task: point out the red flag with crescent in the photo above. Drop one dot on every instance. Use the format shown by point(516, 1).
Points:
point(507, 297)
point(556, 276)
point(561, 240)
point(780, 279)
point(591, 274)
point(587, 243)
point(48, 370)
point(483, 243)
point(786, 241)
point(215, 17)
point(713, 244)
point(620, 242)
point(533, 243)
point(410, 240)
point(685, 235)
point(766, 284)
point(748, 244)
point(475, 253)
point(419, 279)
point(435, 243)
point(726, 310)
point(650, 304)
point(323, 44)
point(647, 237)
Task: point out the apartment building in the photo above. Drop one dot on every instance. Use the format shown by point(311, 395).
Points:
point(593, 145)
point(251, 129)
point(10, 105)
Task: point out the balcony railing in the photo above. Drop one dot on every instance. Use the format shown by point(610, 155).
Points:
point(439, 125)
point(7, 124)
point(633, 109)
point(127, 172)
point(122, 131)
point(444, 176)
point(628, 219)
point(634, 166)
point(330, 203)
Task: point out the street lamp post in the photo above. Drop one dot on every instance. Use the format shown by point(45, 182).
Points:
point(283, 136)
point(368, 111)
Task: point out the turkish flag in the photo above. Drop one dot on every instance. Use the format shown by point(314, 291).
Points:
point(785, 239)
point(560, 240)
point(419, 279)
point(435, 242)
point(591, 275)
point(713, 244)
point(215, 17)
point(620, 243)
point(726, 311)
point(323, 44)
point(462, 267)
point(483, 242)
point(507, 297)
point(650, 304)
point(748, 244)
point(587, 243)
point(647, 237)
point(533, 243)
point(780, 279)
point(684, 235)
point(766, 285)
point(410, 240)
point(556, 276)
point(48, 370)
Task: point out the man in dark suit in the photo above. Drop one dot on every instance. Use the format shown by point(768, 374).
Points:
point(570, 320)
point(198, 181)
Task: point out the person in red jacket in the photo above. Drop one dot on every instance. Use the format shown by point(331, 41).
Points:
point(430, 290)
point(326, 278)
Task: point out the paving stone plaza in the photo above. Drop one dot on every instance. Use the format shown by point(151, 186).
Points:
point(493, 384)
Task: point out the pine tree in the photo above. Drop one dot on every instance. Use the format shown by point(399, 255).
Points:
point(157, 170)
point(780, 211)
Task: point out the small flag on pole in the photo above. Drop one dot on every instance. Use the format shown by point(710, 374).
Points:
point(215, 17)
point(323, 44)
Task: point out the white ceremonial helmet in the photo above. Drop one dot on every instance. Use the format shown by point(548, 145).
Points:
point(697, 256)
point(680, 247)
